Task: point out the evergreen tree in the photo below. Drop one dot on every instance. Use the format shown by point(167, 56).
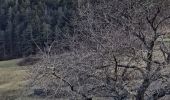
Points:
point(26, 22)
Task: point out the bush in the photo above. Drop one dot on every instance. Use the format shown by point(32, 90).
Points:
point(28, 61)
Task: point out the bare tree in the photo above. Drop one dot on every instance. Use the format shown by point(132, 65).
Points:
point(117, 51)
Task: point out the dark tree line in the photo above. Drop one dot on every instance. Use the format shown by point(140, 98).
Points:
point(26, 24)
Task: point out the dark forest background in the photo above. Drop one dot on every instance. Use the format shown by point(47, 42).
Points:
point(27, 23)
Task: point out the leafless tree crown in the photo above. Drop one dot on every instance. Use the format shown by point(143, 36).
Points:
point(118, 50)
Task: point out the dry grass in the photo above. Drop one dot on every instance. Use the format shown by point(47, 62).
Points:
point(12, 79)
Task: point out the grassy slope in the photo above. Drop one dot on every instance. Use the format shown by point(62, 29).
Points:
point(12, 78)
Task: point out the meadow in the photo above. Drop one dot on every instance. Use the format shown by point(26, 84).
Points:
point(12, 79)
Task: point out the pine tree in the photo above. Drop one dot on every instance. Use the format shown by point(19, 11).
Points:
point(26, 45)
point(41, 21)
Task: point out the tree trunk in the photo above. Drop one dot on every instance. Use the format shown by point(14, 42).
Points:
point(168, 58)
point(142, 90)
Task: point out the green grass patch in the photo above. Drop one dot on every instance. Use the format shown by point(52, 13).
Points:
point(9, 63)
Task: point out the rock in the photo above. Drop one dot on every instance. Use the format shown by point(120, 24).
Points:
point(39, 92)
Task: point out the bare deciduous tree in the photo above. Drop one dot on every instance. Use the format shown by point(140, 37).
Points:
point(117, 51)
